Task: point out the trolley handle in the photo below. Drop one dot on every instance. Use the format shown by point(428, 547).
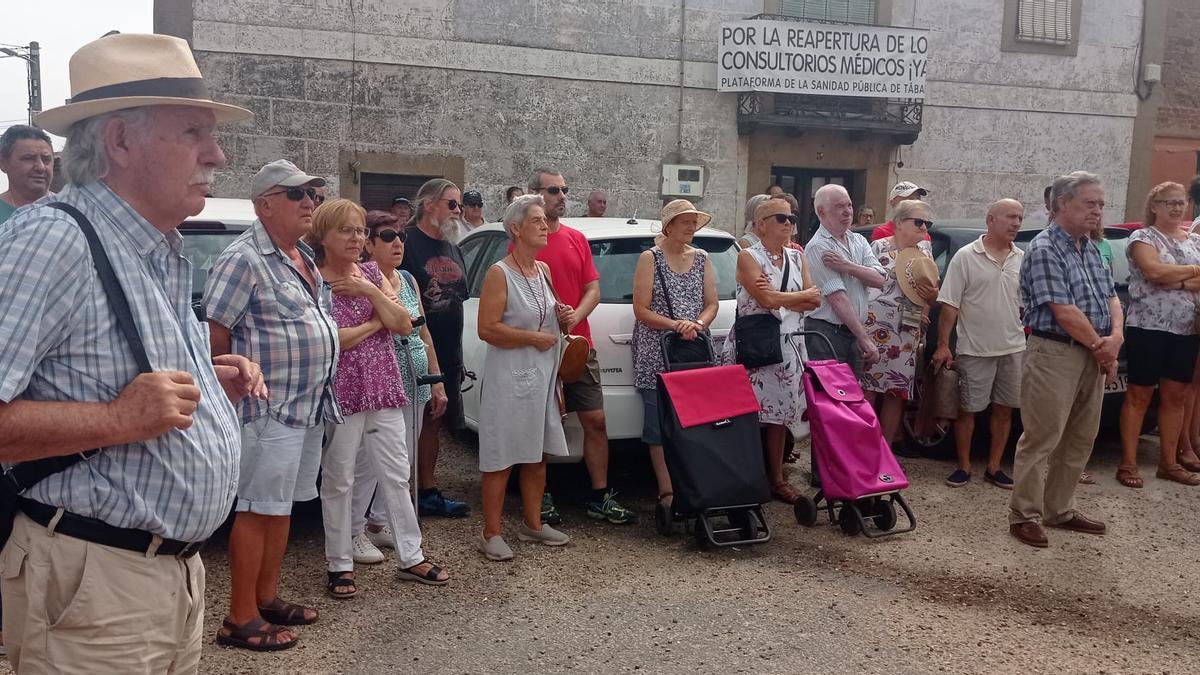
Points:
point(702, 337)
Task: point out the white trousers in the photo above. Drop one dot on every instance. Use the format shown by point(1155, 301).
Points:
point(365, 479)
point(379, 437)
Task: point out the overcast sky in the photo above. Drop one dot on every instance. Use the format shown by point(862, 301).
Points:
point(59, 27)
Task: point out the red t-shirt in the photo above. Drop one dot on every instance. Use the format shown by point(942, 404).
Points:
point(888, 229)
point(571, 266)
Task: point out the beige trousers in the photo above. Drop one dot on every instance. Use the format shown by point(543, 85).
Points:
point(1062, 388)
point(71, 606)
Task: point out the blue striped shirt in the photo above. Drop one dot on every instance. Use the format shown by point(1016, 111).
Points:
point(1055, 271)
point(859, 252)
point(59, 341)
point(276, 321)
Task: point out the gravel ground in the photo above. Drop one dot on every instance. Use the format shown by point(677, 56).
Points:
point(956, 595)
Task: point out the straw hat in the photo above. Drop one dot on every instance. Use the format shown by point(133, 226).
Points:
point(914, 267)
point(679, 207)
point(130, 70)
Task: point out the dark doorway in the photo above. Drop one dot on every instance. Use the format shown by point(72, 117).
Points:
point(803, 183)
point(379, 189)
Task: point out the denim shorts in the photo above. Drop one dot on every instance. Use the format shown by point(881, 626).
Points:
point(651, 428)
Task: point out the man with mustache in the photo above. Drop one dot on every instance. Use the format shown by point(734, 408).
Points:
point(266, 300)
point(27, 158)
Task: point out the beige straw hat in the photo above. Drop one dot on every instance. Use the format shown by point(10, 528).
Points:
point(130, 70)
point(679, 207)
point(913, 267)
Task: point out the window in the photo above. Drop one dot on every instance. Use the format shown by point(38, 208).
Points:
point(616, 260)
point(847, 11)
point(1041, 26)
point(378, 189)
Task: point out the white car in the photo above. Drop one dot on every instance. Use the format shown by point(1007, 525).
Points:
point(616, 244)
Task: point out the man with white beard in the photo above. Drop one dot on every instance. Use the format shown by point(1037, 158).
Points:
point(432, 257)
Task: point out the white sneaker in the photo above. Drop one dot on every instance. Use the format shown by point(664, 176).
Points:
point(382, 538)
point(365, 552)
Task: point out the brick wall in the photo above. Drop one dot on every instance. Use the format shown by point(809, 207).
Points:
point(1179, 114)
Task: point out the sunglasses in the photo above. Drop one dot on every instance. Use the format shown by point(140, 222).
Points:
point(473, 206)
point(554, 189)
point(296, 194)
point(388, 236)
point(919, 222)
point(782, 218)
point(453, 204)
point(319, 200)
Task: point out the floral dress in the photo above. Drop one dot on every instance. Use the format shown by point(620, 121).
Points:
point(894, 323)
point(1153, 307)
point(777, 387)
point(415, 345)
point(687, 299)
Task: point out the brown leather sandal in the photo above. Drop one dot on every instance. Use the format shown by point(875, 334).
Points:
point(256, 635)
point(1189, 460)
point(1178, 474)
point(785, 493)
point(1128, 476)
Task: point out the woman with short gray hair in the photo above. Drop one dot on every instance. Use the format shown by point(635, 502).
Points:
point(518, 211)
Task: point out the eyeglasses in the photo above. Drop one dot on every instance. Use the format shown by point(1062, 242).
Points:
point(554, 189)
point(922, 223)
point(352, 231)
point(1173, 203)
point(319, 199)
point(388, 236)
point(782, 218)
point(296, 194)
point(453, 204)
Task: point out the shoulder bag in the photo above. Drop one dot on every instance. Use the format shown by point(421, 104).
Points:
point(575, 350)
point(756, 336)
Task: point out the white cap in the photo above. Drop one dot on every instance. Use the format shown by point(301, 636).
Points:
point(907, 189)
point(281, 173)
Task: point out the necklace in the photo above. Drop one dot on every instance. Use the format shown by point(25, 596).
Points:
point(531, 295)
point(774, 257)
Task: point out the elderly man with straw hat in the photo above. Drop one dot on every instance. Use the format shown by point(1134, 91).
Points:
point(105, 371)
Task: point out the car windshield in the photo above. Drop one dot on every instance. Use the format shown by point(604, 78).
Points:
point(616, 260)
point(201, 248)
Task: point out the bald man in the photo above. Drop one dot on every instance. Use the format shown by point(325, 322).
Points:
point(982, 294)
point(597, 204)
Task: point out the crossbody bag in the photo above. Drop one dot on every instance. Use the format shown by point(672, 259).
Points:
point(756, 336)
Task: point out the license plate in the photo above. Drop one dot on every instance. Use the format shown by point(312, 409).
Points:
point(1117, 386)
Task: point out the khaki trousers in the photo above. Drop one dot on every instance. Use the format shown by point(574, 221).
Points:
point(1062, 388)
point(71, 606)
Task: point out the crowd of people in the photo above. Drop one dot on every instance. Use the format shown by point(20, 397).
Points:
point(333, 343)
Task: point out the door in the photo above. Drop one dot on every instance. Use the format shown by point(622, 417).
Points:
point(378, 189)
point(804, 183)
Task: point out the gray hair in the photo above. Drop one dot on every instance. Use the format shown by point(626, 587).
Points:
point(518, 211)
point(821, 198)
point(752, 205)
point(906, 208)
point(84, 157)
point(535, 179)
point(433, 189)
point(1068, 185)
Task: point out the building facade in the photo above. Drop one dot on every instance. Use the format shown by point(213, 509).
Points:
point(379, 95)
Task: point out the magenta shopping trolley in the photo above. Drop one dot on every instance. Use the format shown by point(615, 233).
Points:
point(860, 477)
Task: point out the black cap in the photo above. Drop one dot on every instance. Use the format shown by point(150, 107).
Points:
point(472, 198)
point(401, 200)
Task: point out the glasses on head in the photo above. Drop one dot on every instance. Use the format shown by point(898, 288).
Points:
point(1173, 203)
point(782, 218)
point(453, 204)
point(352, 231)
point(296, 194)
point(388, 236)
point(921, 222)
point(554, 189)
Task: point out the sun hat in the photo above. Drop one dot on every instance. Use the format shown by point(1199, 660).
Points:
point(914, 267)
point(772, 207)
point(677, 208)
point(907, 189)
point(130, 70)
point(281, 173)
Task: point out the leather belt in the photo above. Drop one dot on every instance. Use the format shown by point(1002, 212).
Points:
point(1047, 335)
point(100, 532)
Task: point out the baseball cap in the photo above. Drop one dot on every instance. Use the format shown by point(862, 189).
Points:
point(472, 198)
point(281, 173)
point(400, 200)
point(907, 189)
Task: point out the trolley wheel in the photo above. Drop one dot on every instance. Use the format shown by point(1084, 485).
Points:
point(806, 511)
point(847, 519)
point(702, 541)
point(885, 514)
point(663, 521)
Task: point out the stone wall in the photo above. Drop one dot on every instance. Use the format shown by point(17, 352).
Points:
point(1179, 113)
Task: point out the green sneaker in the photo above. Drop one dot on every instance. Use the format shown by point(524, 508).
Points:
point(550, 514)
point(608, 509)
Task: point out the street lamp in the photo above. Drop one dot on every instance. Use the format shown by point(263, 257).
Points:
point(32, 56)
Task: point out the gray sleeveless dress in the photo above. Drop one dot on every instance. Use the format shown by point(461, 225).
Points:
point(518, 409)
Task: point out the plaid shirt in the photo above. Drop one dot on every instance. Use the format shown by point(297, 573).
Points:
point(59, 341)
point(276, 321)
point(1054, 271)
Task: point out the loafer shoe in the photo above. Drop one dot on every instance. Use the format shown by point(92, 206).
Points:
point(999, 479)
point(547, 535)
point(495, 549)
point(958, 479)
point(1029, 533)
point(1080, 523)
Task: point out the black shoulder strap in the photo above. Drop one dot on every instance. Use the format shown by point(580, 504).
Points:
point(27, 474)
point(663, 280)
point(787, 271)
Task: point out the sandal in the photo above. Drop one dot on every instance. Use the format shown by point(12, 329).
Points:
point(256, 635)
point(1128, 476)
point(785, 493)
point(431, 576)
point(339, 581)
point(283, 613)
point(1086, 478)
point(1189, 460)
point(666, 499)
point(1178, 474)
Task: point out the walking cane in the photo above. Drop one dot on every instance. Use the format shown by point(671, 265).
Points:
point(416, 382)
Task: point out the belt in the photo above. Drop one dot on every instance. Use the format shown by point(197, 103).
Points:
point(100, 532)
point(1047, 335)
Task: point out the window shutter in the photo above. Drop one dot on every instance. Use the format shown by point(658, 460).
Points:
point(1044, 21)
point(846, 11)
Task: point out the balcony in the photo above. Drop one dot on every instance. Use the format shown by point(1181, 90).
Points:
point(900, 118)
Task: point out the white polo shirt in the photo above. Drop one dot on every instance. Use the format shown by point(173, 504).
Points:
point(987, 294)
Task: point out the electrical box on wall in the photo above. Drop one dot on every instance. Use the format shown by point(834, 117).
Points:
point(682, 180)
